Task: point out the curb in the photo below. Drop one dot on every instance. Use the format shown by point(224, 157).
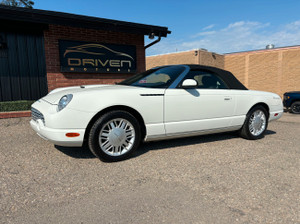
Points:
point(15, 114)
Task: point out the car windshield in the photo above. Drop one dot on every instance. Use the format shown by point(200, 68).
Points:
point(155, 78)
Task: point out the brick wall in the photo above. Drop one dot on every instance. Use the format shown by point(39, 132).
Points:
point(58, 79)
point(237, 65)
point(211, 59)
point(274, 70)
point(186, 57)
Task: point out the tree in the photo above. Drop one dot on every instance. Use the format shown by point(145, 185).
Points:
point(18, 3)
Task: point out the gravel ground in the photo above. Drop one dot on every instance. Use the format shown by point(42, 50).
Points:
point(206, 179)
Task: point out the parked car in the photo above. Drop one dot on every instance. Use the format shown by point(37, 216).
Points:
point(164, 102)
point(291, 100)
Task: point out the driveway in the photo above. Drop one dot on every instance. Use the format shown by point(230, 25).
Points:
point(206, 179)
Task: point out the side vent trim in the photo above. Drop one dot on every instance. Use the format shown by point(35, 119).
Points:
point(152, 94)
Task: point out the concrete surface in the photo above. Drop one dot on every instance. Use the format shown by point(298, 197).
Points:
point(207, 179)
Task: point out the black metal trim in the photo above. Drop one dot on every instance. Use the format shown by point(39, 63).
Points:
point(152, 94)
point(51, 17)
point(154, 42)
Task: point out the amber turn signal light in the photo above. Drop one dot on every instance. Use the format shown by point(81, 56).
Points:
point(70, 135)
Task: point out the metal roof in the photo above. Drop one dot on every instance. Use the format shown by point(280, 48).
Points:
point(67, 19)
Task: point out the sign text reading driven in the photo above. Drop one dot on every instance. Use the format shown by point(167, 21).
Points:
point(86, 57)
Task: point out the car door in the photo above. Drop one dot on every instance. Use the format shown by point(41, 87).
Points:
point(207, 107)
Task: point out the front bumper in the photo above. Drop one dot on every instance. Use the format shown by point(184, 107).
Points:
point(58, 136)
point(53, 126)
point(286, 103)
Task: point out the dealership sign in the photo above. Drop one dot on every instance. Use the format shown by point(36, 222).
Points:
point(87, 57)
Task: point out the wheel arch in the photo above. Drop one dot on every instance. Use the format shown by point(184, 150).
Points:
point(294, 100)
point(261, 104)
point(245, 131)
point(128, 109)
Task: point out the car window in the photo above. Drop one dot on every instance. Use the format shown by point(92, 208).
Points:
point(159, 78)
point(206, 80)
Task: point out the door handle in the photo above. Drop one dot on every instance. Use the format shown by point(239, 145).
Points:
point(227, 98)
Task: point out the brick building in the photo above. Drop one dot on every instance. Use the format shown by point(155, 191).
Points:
point(199, 56)
point(276, 70)
point(42, 50)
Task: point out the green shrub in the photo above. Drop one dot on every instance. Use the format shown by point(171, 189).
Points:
point(15, 105)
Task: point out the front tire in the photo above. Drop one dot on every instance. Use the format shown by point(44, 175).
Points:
point(256, 123)
point(114, 136)
point(295, 107)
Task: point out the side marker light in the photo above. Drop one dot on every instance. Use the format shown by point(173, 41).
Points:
point(71, 135)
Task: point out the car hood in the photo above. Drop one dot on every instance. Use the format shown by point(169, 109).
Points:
point(55, 95)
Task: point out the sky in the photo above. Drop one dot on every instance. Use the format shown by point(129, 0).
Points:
point(220, 26)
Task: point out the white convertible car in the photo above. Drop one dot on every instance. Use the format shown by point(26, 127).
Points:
point(164, 102)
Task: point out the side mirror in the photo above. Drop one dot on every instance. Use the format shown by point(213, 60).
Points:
point(189, 83)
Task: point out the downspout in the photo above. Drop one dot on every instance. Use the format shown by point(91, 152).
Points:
point(154, 42)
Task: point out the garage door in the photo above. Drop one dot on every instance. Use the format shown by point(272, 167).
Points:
point(22, 66)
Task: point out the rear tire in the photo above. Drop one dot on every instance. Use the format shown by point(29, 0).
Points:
point(256, 123)
point(114, 136)
point(295, 107)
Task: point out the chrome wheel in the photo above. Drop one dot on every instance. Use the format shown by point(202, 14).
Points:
point(117, 137)
point(257, 123)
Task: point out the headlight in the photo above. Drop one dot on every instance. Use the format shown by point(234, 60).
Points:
point(64, 101)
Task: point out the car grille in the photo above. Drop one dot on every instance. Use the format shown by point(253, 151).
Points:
point(35, 114)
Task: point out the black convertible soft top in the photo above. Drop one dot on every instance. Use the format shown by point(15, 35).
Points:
point(231, 81)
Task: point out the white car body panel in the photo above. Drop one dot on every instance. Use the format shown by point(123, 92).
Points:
point(58, 136)
point(195, 108)
point(166, 113)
